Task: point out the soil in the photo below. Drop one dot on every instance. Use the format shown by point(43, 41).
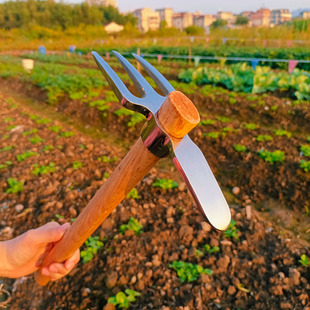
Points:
point(258, 270)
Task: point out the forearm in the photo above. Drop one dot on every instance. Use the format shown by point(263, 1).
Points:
point(4, 264)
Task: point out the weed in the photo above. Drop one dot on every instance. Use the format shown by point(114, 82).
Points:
point(48, 148)
point(304, 260)
point(15, 186)
point(77, 165)
point(165, 183)
point(6, 164)
point(189, 272)
point(198, 253)
point(209, 249)
point(223, 119)
point(305, 149)
point(30, 132)
point(271, 157)
point(58, 216)
point(263, 138)
point(305, 165)
point(9, 128)
point(33, 117)
point(36, 139)
point(207, 122)
point(232, 100)
point(93, 244)
point(123, 300)
point(228, 129)
point(43, 121)
point(8, 119)
point(240, 148)
point(23, 156)
point(281, 132)
point(135, 119)
point(101, 105)
point(7, 148)
point(242, 288)
point(213, 135)
point(232, 231)
point(133, 225)
point(133, 194)
point(66, 134)
point(107, 159)
point(251, 126)
point(106, 175)
point(55, 128)
point(37, 169)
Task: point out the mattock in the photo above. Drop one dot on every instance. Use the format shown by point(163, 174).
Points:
point(169, 119)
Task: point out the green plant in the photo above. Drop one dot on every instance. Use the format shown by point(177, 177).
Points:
point(209, 249)
point(23, 156)
point(6, 164)
point(15, 186)
point(30, 132)
point(93, 244)
point(43, 121)
point(305, 149)
point(304, 260)
point(207, 122)
point(101, 105)
point(77, 165)
point(133, 194)
point(251, 126)
point(281, 132)
point(189, 272)
point(106, 175)
point(37, 169)
point(48, 148)
point(107, 159)
point(263, 138)
point(198, 253)
point(6, 148)
point(271, 157)
point(213, 134)
point(8, 119)
point(165, 183)
point(232, 231)
point(66, 134)
point(305, 165)
point(223, 119)
point(36, 139)
point(9, 128)
point(123, 300)
point(133, 225)
point(55, 128)
point(240, 148)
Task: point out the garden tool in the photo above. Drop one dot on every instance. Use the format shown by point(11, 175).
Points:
point(169, 119)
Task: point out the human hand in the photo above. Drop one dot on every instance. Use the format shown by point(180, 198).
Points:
point(25, 253)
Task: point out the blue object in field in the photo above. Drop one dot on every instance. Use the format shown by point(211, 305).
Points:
point(72, 48)
point(42, 50)
point(80, 53)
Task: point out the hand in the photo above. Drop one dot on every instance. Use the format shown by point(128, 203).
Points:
point(25, 253)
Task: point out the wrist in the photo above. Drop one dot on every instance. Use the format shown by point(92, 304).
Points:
point(5, 270)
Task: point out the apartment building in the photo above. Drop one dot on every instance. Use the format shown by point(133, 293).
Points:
point(166, 15)
point(182, 20)
point(102, 2)
point(147, 19)
point(204, 21)
point(260, 18)
point(280, 16)
point(306, 15)
point(228, 16)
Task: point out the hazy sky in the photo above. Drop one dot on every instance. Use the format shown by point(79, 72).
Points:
point(212, 6)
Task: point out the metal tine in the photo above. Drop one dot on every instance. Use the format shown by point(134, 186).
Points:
point(115, 82)
point(140, 82)
point(158, 78)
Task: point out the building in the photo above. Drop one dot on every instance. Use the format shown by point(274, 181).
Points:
point(280, 16)
point(113, 27)
point(182, 20)
point(247, 14)
point(305, 15)
point(147, 19)
point(102, 2)
point(228, 16)
point(260, 18)
point(166, 15)
point(204, 21)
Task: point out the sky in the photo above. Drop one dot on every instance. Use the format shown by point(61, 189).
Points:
point(212, 6)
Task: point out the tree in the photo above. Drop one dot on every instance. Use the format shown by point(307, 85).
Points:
point(241, 20)
point(219, 23)
point(194, 30)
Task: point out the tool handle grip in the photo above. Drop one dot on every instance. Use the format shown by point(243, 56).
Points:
point(128, 173)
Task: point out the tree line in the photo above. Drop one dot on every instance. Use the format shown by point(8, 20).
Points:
point(19, 14)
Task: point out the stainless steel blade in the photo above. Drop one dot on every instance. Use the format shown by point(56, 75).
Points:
point(202, 184)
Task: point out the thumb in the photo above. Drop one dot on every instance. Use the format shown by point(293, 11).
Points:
point(51, 232)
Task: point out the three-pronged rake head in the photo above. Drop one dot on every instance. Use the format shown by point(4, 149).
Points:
point(187, 157)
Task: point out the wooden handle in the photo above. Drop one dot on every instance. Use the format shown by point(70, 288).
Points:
point(177, 116)
point(128, 173)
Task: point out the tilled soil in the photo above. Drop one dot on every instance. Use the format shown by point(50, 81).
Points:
point(258, 270)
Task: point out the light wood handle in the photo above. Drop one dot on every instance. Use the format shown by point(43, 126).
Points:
point(128, 173)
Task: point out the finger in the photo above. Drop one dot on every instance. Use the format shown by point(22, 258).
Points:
point(57, 268)
point(50, 232)
point(72, 261)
